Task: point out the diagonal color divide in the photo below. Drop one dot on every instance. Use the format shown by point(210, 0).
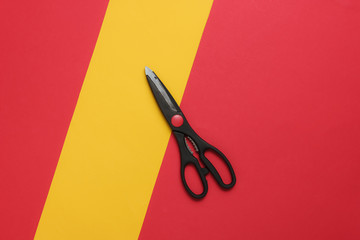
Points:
point(117, 136)
point(275, 85)
point(46, 47)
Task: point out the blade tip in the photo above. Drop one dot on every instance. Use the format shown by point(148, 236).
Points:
point(147, 70)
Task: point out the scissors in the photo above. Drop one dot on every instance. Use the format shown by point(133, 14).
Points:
point(183, 134)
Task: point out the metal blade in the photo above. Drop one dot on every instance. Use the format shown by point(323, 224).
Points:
point(164, 99)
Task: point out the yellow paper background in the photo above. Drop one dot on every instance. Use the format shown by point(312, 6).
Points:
point(117, 136)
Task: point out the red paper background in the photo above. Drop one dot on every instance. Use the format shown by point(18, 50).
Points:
point(275, 85)
point(45, 48)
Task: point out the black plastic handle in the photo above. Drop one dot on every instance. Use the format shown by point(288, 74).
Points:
point(202, 177)
point(205, 147)
point(188, 159)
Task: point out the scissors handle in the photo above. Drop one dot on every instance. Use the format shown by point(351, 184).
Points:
point(188, 159)
point(206, 147)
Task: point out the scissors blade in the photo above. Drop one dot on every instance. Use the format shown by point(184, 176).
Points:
point(164, 99)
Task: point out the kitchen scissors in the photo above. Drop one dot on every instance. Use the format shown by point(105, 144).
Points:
point(183, 132)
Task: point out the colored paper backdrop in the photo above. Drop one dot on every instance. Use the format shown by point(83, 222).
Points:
point(116, 140)
point(274, 85)
point(45, 48)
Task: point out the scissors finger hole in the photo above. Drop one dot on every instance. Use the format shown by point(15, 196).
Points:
point(220, 165)
point(193, 180)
